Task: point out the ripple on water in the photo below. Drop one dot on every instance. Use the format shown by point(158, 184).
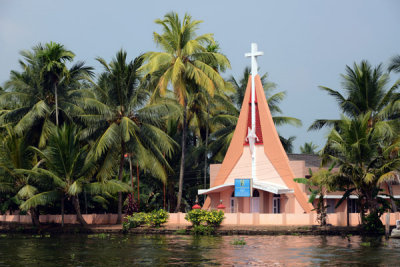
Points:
point(117, 250)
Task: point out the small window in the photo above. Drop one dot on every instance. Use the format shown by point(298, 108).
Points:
point(352, 205)
point(233, 193)
point(331, 205)
point(276, 202)
point(256, 193)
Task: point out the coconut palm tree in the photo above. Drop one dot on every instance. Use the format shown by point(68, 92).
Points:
point(70, 169)
point(29, 98)
point(367, 157)
point(120, 117)
point(52, 59)
point(287, 143)
point(365, 91)
point(394, 64)
point(308, 148)
point(15, 154)
point(184, 61)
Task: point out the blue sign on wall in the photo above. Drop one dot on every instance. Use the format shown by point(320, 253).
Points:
point(243, 187)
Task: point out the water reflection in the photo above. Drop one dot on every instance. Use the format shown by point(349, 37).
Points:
point(121, 250)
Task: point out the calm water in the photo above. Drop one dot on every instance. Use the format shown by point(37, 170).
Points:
point(133, 250)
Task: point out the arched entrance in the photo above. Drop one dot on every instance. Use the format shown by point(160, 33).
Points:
point(255, 202)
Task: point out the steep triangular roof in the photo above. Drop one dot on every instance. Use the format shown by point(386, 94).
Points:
point(273, 149)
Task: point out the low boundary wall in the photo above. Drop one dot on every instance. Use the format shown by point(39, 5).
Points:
point(96, 219)
point(268, 219)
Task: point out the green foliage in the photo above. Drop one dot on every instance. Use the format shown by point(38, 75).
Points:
point(239, 242)
point(308, 148)
point(187, 65)
point(196, 216)
point(366, 90)
point(372, 224)
point(156, 218)
point(204, 222)
point(395, 64)
point(134, 220)
point(214, 217)
point(366, 151)
point(318, 187)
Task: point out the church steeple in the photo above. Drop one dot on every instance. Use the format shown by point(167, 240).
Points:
point(252, 137)
point(255, 139)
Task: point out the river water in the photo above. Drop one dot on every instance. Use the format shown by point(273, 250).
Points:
point(160, 250)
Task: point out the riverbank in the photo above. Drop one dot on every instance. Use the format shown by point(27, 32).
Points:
point(180, 229)
point(186, 250)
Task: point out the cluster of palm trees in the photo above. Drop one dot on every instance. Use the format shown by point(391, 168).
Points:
point(66, 133)
point(365, 142)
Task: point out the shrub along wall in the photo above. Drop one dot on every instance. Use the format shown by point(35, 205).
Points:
point(336, 219)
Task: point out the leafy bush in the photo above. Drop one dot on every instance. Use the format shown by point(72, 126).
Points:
point(204, 222)
point(214, 217)
point(372, 224)
point(156, 218)
point(133, 221)
point(204, 217)
point(196, 217)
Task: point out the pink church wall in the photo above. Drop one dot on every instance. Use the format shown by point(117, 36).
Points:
point(306, 219)
point(214, 169)
point(215, 200)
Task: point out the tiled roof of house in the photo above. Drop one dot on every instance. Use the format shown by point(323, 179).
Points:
point(310, 160)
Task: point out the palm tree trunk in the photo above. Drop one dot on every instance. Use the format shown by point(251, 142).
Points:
point(75, 201)
point(62, 211)
point(35, 217)
point(56, 98)
point(182, 167)
point(348, 213)
point(205, 152)
point(121, 168)
point(138, 185)
point(390, 189)
point(84, 192)
point(131, 174)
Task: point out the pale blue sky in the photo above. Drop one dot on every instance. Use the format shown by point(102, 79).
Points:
point(305, 43)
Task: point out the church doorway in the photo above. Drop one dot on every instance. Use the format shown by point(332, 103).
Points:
point(276, 204)
point(255, 202)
